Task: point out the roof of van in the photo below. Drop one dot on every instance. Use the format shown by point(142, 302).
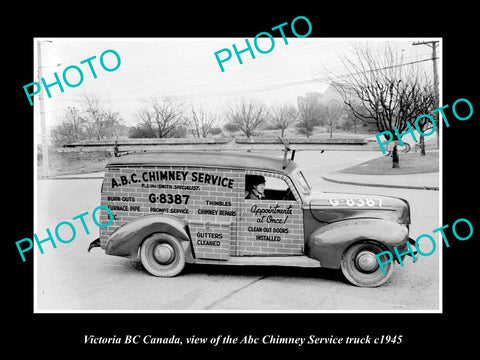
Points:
point(217, 159)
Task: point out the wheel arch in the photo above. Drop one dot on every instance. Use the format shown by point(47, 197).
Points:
point(127, 239)
point(329, 243)
point(362, 241)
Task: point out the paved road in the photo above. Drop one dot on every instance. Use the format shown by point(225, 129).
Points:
point(70, 279)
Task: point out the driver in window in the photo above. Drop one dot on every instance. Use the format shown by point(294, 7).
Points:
point(258, 188)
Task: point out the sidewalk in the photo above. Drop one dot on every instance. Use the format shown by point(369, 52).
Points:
point(427, 181)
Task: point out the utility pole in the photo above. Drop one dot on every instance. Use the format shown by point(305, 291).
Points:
point(433, 44)
point(45, 161)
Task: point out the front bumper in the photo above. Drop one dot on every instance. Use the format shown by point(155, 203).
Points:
point(93, 244)
point(404, 250)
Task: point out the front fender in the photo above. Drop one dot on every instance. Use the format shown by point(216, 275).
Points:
point(328, 243)
point(126, 240)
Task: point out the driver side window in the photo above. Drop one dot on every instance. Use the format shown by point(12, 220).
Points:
point(259, 187)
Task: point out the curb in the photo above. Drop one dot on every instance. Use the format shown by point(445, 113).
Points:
point(414, 187)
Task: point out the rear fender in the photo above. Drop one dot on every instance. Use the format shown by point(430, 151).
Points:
point(126, 240)
point(328, 243)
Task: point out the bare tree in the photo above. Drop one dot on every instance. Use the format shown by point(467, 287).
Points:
point(201, 121)
point(99, 123)
point(282, 116)
point(382, 90)
point(70, 129)
point(247, 115)
point(308, 115)
point(90, 121)
point(425, 100)
point(164, 117)
point(349, 121)
point(331, 115)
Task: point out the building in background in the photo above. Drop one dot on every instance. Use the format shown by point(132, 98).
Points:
point(331, 96)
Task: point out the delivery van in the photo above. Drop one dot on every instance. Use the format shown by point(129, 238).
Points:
point(176, 207)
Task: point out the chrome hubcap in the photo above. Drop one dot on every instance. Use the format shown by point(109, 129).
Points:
point(366, 261)
point(164, 253)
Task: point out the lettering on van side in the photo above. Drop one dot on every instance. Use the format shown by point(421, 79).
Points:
point(205, 235)
point(218, 203)
point(170, 210)
point(174, 175)
point(124, 208)
point(168, 198)
point(120, 198)
point(216, 212)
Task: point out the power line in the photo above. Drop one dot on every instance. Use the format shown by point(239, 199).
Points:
point(300, 82)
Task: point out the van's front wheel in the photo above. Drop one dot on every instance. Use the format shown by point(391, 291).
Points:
point(162, 255)
point(360, 266)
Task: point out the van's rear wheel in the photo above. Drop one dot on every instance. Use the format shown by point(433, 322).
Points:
point(360, 265)
point(162, 255)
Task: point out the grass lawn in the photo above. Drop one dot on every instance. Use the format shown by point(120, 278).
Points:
point(74, 163)
point(410, 163)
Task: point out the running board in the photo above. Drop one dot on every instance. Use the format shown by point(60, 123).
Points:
point(298, 261)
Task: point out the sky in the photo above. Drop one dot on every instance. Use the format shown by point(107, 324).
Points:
point(186, 68)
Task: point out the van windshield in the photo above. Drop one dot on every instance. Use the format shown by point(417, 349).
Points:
point(306, 189)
